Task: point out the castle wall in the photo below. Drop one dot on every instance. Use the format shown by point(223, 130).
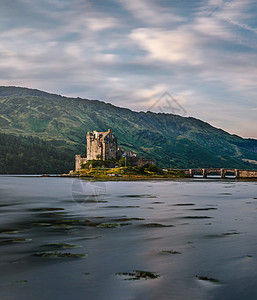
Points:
point(110, 147)
point(102, 144)
point(94, 146)
point(78, 160)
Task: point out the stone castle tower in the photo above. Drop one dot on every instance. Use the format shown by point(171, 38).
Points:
point(101, 145)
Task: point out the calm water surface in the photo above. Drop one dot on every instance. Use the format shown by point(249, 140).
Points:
point(207, 228)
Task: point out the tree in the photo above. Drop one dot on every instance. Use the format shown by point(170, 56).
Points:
point(123, 162)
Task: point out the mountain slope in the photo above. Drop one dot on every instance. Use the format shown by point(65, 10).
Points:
point(28, 155)
point(182, 142)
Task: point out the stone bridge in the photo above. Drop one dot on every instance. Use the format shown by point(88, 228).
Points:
point(223, 173)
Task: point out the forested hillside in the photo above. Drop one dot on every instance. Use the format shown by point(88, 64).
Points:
point(28, 155)
point(172, 140)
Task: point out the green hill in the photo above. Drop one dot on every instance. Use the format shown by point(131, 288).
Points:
point(175, 141)
point(28, 155)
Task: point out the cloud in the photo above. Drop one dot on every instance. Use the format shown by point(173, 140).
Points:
point(149, 12)
point(211, 27)
point(130, 52)
point(106, 23)
point(237, 14)
point(198, 49)
point(169, 46)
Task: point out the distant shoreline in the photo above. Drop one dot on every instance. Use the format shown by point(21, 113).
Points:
point(123, 178)
point(109, 178)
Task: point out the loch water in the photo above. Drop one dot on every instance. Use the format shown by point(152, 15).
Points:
point(68, 238)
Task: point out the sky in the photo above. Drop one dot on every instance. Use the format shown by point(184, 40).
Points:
point(189, 57)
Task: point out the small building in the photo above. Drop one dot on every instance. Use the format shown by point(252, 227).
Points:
point(141, 161)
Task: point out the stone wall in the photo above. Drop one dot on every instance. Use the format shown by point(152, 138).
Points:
point(78, 160)
point(142, 161)
point(110, 148)
point(101, 145)
point(247, 173)
point(94, 146)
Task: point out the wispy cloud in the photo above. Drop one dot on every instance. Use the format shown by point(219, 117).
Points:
point(150, 13)
point(168, 46)
point(237, 15)
point(130, 52)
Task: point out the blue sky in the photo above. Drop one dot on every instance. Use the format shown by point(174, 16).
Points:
point(128, 53)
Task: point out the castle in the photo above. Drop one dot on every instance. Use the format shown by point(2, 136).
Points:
point(101, 145)
point(104, 146)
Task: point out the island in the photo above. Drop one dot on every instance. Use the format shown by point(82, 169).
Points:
point(105, 159)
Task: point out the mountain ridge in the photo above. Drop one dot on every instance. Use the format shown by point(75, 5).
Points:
point(173, 140)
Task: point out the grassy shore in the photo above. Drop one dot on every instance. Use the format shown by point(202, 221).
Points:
point(148, 172)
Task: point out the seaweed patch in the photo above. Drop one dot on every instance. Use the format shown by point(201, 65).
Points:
point(63, 245)
point(130, 219)
point(156, 225)
point(55, 254)
point(19, 240)
point(169, 252)
point(207, 208)
point(137, 275)
point(108, 225)
point(184, 204)
point(138, 196)
point(222, 235)
point(205, 278)
point(10, 232)
point(197, 217)
point(20, 281)
point(43, 209)
point(118, 206)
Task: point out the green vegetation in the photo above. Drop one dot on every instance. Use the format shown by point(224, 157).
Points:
point(146, 171)
point(123, 162)
point(173, 141)
point(94, 163)
point(28, 155)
